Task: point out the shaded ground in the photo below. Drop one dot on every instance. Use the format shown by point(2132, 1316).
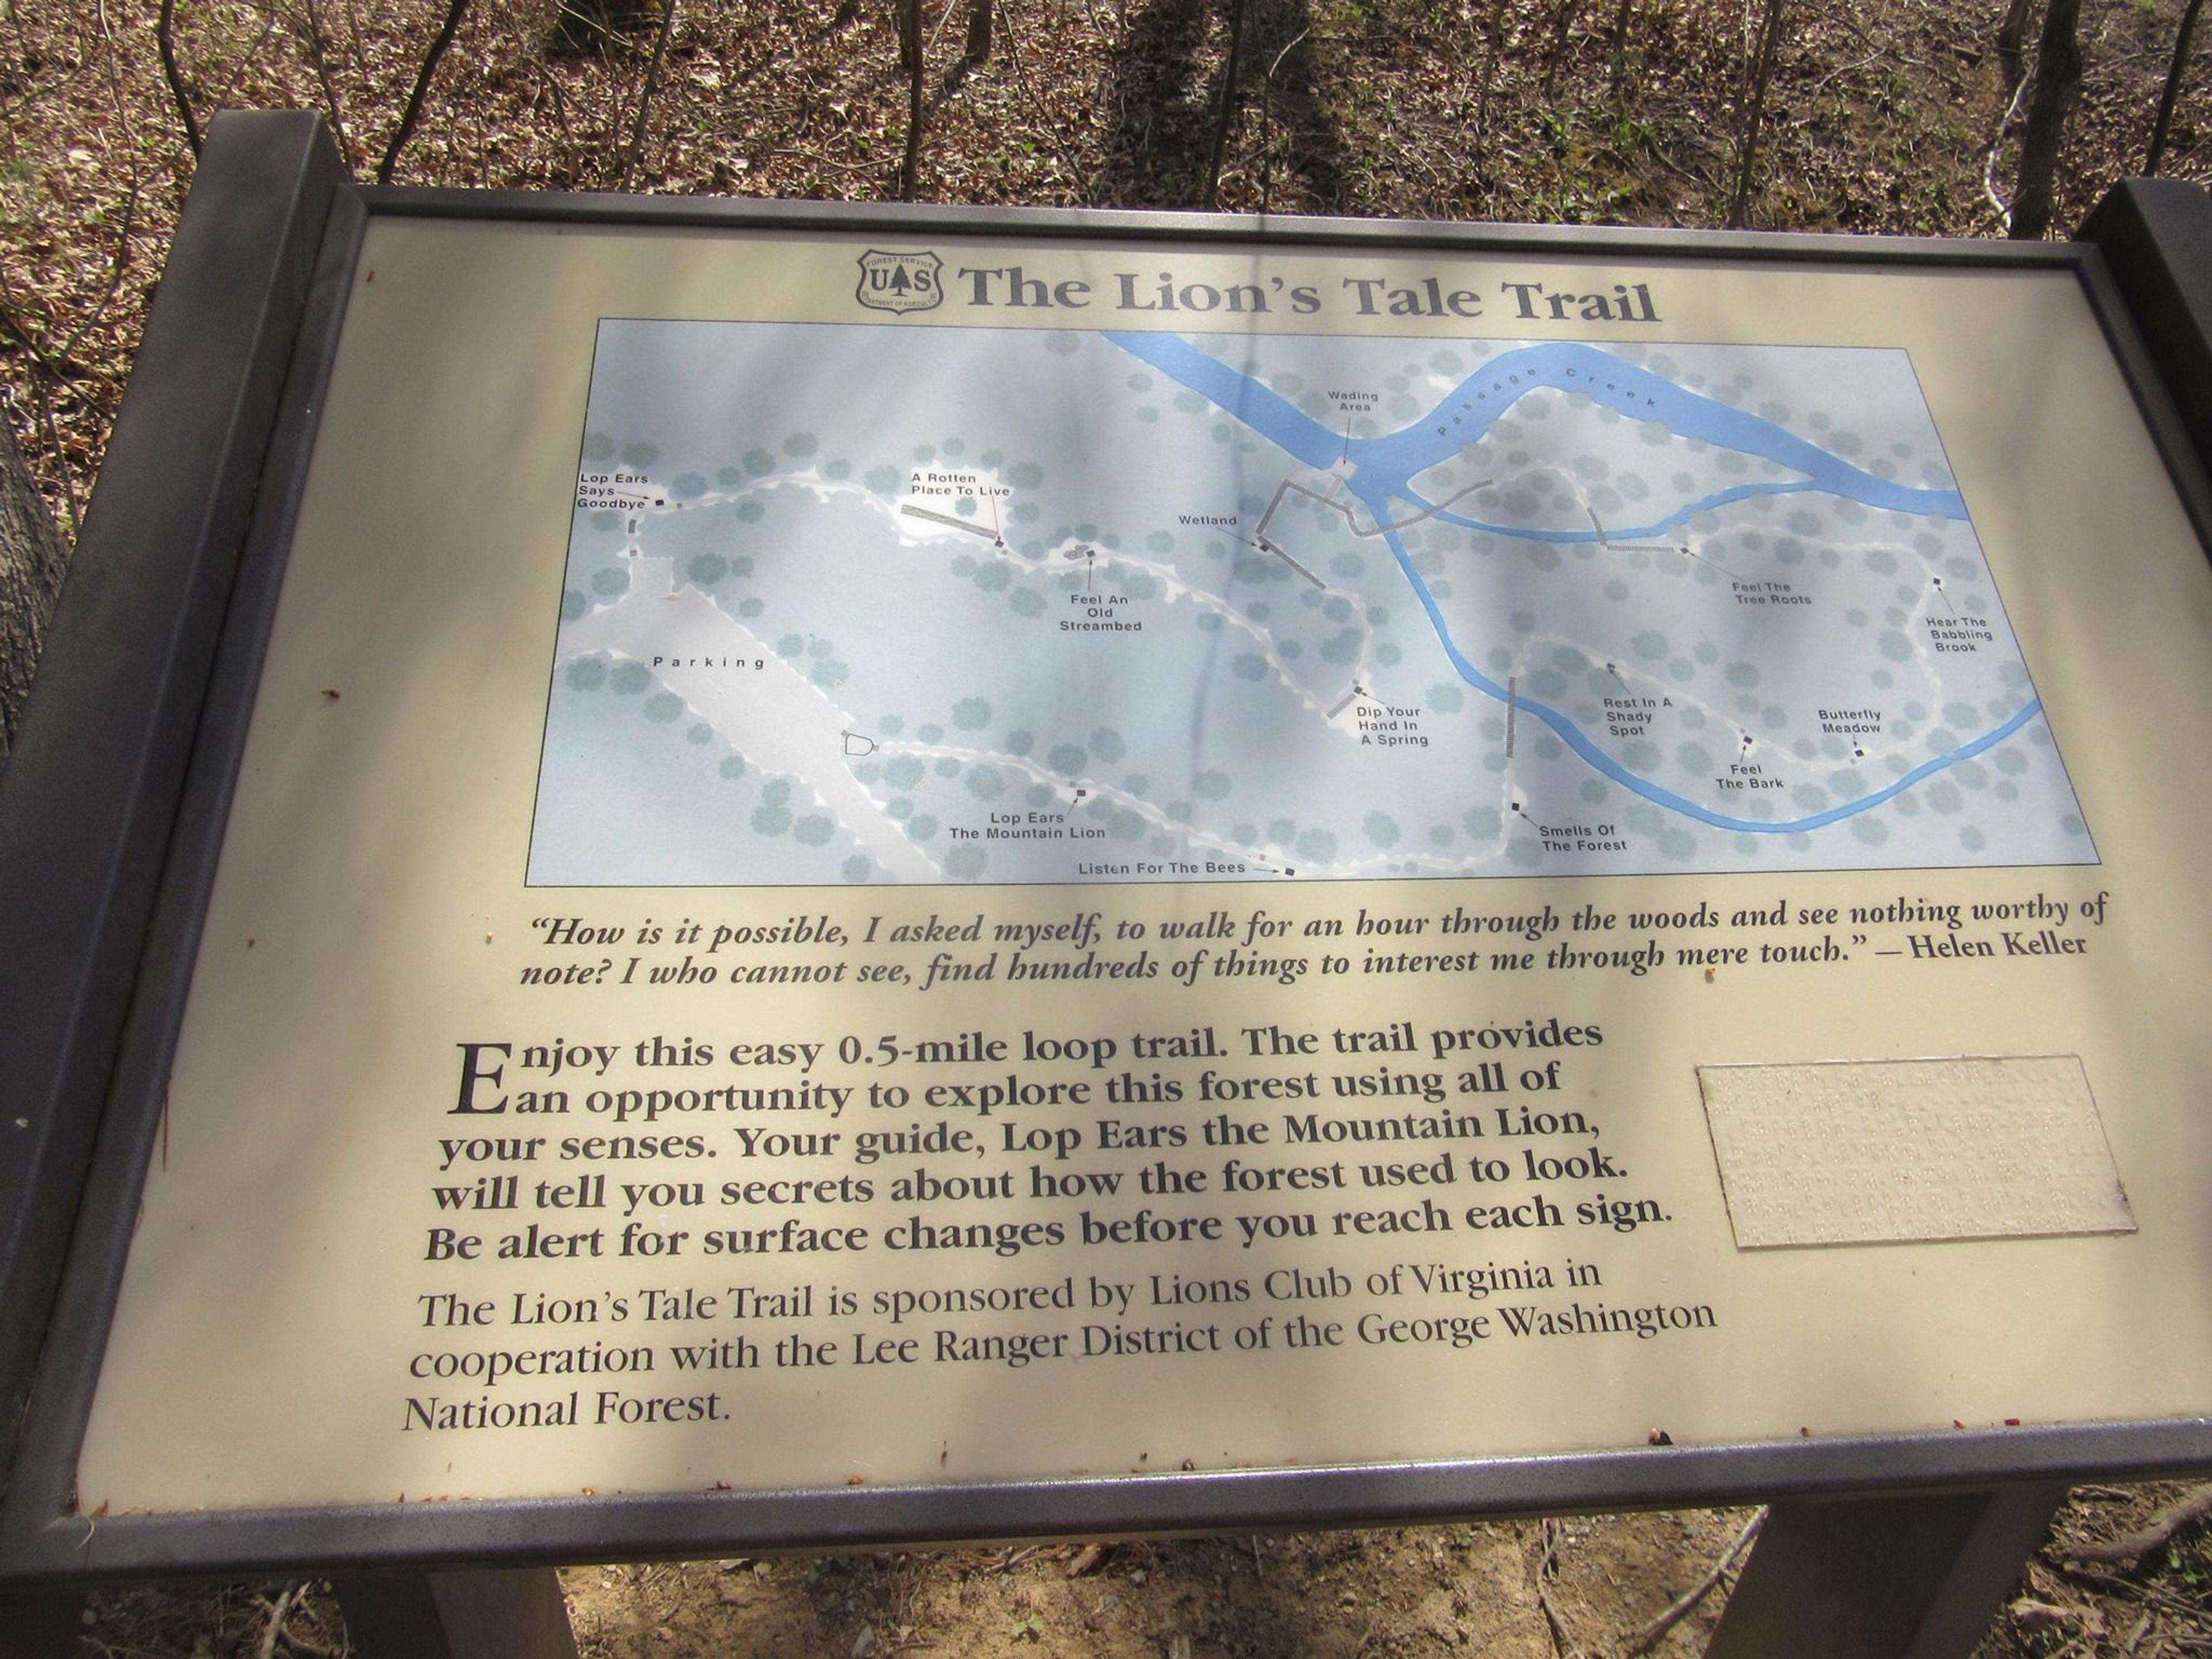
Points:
point(1888, 115)
point(1489, 1591)
point(1415, 1591)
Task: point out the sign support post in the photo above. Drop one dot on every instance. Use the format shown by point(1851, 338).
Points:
point(1917, 1577)
point(514, 1613)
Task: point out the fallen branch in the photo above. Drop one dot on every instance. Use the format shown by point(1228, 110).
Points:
point(2145, 1591)
point(277, 1615)
point(645, 95)
point(226, 96)
point(111, 60)
point(1821, 85)
point(67, 354)
point(814, 160)
point(2193, 1507)
point(1547, 1565)
point(1268, 121)
point(937, 28)
point(560, 101)
point(1996, 149)
point(1653, 1633)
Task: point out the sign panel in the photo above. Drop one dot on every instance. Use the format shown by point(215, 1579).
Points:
point(875, 861)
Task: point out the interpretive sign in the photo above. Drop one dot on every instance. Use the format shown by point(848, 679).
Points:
point(1016, 859)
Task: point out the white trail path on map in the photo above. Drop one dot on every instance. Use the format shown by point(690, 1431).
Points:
point(773, 716)
point(785, 724)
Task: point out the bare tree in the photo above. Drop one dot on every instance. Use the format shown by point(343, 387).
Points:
point(910, 56)
point(1562, 29)
point(1762, 74)
point(414, 110)
point(31, 560)
point(645, 96)
point(979, 31)
point(165, 41)
point(2012, 40)
point(1622, 19)
point(1227, 112)
point(319, 56)
point(2164, 124)
point(2057, 73)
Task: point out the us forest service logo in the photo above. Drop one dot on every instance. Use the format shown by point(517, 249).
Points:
point(899, 281)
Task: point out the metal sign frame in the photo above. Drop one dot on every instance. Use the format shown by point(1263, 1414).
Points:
point(119, 792)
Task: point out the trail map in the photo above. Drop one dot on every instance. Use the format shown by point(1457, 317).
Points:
point(916, 604)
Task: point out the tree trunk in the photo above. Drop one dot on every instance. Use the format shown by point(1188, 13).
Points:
point(413, 112)
point(1762, 74)
point(165, 38)
point(2164, 123)
point(1226, 113)
point(979, 31)
point(910, 49)
point(2057, 72)
point(1620, 22)
point(2012, 37)
point(31, 560)
point(645, 95)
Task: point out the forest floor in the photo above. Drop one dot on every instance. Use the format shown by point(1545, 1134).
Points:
point(1885, 116)
point(1587, 1588)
